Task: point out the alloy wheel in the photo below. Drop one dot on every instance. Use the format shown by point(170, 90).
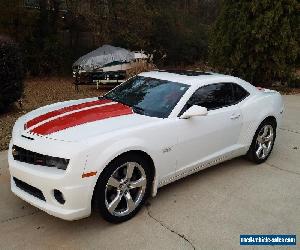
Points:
point(264, 142)
point(125, 189)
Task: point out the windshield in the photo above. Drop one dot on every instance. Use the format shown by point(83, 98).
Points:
point(149, 96)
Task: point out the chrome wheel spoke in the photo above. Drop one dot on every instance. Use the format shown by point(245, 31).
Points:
point(112, 181)
point(264, 150)
point(138, 183)
point(129, 201)
point(269, 137)
point(259, 150)
point(259, 139)
point(113, 205)
point(266, 131)
point(129, 170)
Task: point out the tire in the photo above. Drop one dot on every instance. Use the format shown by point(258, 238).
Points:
point(123, 187)
point(263, 142)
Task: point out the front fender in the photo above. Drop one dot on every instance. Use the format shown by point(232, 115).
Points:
point(100, 156)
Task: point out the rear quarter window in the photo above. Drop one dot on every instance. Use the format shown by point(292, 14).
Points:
point(239, 93)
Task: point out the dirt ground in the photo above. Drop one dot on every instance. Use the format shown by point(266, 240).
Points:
point(40, 92)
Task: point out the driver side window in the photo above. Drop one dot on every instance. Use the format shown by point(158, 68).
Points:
point(212, 97)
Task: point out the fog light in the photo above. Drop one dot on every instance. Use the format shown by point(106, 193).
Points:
point(59, 196)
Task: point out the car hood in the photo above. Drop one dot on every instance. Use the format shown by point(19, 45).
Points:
point(79, 120)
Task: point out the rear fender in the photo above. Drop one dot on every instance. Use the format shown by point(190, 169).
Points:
point(256, 111)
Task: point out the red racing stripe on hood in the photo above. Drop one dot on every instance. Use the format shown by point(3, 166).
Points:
point(81, 117)
point(63, 110)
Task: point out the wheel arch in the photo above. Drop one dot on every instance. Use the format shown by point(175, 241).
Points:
point(270, 118)
point(132, 152)
point(145, 156)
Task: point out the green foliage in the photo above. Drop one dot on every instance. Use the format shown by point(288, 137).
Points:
point(44, 51)
point(11, 73)
point(129, 24)
point(53, 33)
point(179, 36)
point(50, 59)
point(256, 40)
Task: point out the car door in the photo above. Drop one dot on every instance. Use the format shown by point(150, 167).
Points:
point(202, 138)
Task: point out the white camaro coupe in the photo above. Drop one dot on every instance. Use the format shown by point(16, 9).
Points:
point(112, 152)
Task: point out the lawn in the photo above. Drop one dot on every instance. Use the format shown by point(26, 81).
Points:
point(39, 92)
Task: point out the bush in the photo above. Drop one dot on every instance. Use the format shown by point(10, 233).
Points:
point(50, 59)
point(139, 67)
point(256, 40)
point(11, 73)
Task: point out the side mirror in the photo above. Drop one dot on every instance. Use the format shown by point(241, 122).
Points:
point(195, 110)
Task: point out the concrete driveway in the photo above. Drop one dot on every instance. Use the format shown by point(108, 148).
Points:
point(208, 210)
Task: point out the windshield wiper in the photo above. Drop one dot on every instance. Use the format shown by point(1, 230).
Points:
point(138, 110)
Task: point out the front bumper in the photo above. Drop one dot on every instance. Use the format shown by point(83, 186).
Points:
point(76, 191)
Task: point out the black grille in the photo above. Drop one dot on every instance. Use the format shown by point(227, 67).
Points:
point(29, 189)
point(24, 155)
point(27, 156)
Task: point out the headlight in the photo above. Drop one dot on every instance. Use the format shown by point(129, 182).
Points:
point(59, 163)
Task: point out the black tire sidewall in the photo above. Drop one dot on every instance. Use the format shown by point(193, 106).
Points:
point(99, 195)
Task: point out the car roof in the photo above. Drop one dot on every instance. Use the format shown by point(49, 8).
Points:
point(190, 77)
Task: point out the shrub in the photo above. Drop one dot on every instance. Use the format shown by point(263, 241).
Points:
point(48, 60)
point(11, 73)
point(256, 40)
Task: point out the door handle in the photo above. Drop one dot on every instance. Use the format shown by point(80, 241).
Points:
point(235, 116)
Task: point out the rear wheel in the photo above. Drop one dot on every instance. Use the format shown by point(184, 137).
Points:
point(263, 142)
point(123, 188)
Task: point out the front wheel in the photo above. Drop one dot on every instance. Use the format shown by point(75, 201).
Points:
point(263, 142)
point(123, 188)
